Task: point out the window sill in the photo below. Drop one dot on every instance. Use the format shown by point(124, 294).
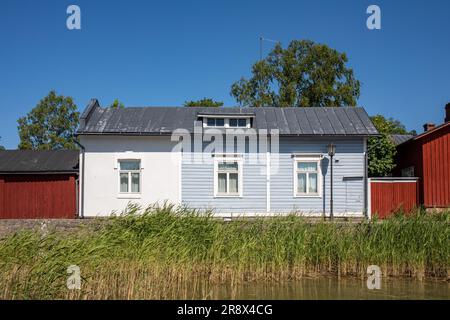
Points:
point(307, 196)
point(228, 196)
point(129, 196)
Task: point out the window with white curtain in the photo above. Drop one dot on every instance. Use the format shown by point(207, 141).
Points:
point(129, 176)
point(307, 177)
point(227, 176)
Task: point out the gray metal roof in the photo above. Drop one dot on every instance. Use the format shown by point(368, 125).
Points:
point(39, 161)
point(400, 138)
point(164, 120)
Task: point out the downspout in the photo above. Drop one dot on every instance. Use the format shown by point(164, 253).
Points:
point(81, 208)
point(366, 193)
point(268, 173)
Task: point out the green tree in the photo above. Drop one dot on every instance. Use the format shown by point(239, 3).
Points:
point(50, 125)
point(205, 102)
point(1, 147)
point(382, 150)
point(305, 74)
point(117, 104)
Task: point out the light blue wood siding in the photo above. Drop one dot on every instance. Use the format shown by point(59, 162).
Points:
point(198, 180)
point(198, 187)
point(348, 171)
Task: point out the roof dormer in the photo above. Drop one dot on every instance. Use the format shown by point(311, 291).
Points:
point(228, 122)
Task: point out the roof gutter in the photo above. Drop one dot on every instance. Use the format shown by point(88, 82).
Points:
point(153, 134)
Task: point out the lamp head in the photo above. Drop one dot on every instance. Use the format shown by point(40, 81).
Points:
point(331, 148)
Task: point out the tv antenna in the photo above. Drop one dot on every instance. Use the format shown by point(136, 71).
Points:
point(261, 39)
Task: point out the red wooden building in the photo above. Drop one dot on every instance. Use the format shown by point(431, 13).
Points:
point(38, 184)
point(427, 156)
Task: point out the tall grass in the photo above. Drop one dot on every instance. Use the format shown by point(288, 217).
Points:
point(173, 252)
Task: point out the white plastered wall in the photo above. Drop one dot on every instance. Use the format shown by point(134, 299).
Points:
point(160, 173)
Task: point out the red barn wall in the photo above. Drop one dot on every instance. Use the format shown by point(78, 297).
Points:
point(38, 196)
point(430, 156)
point(436, 168)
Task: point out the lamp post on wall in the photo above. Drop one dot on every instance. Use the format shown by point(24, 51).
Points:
point(331, 148)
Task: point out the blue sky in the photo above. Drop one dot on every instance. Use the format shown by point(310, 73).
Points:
point(167, 52)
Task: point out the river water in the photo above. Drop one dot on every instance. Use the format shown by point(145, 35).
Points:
point(331, 288)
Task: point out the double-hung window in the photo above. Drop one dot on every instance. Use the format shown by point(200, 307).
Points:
point(130, 176)
point(307, 177)
point(228, 177)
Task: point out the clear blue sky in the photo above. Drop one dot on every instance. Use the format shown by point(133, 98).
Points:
point(166, 52)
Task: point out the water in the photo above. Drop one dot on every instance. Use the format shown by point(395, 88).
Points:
point(330, 288)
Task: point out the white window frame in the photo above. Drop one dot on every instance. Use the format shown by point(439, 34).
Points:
point(316, 159)
point(129, 193)
point(239, 161)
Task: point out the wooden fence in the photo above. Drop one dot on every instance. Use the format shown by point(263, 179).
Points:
point(388, 195)
point(51, 196)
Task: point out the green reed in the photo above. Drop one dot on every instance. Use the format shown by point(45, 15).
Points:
point(170, 252)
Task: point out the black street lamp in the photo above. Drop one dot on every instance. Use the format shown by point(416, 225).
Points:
point(331, 148)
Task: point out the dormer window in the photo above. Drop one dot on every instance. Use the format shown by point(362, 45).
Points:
point(216, 122)
point(237, 123)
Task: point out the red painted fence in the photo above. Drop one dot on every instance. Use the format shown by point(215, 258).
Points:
point(49, 196)
point(388, 195)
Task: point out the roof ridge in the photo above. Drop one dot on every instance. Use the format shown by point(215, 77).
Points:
point(234, 107)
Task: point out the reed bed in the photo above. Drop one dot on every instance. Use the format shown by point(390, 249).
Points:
point(167, 252)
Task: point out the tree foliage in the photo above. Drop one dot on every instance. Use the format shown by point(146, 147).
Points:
point(305, 74)
point(50, 125)
point(1, 147)
point(382, 150)
point(117, 104)
point(205, 102)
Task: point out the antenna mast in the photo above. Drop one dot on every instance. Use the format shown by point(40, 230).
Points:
point(261, 39)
